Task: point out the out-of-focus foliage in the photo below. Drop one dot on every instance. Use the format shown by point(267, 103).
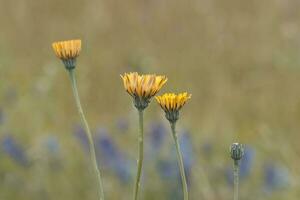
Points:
point(239, 59)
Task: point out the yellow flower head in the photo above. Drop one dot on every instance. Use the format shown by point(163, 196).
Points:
point(142, 87)
point(171, 103)
point(67, 51)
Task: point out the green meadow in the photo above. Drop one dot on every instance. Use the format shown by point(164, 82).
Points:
point(240, 60)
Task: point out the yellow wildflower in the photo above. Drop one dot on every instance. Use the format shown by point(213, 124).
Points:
point(67, 51)
point(142, 87)
point(171, 103)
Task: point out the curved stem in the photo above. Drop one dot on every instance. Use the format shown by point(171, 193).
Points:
point(87, 129)
point(236, 169)
point(180, 162)
point(141, 155)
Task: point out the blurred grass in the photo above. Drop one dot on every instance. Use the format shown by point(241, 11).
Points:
point(239, 59)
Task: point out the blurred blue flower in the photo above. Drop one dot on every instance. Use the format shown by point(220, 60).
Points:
point(157, 135)
point(168, 169)
point(275, 177)
point(247, 161)
point(187, 153)
point(106, 149)
point(186, 149)
point(111, 157)
point(14, 150)
point(246, 165)
point(123, 169)
point(80, 134)
point(122, 125)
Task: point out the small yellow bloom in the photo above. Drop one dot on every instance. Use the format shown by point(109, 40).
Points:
point(171, 103)
point(142, 87)
point(69, 49)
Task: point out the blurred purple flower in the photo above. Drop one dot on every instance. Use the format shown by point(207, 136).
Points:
point(157, 135)
point(247, 161)
point(123, 169)
point(187, 153)
point(106, 149)
point(111, 157)
point(275, 177)
point(14, 150)
point(186, 149)
point(168, 169)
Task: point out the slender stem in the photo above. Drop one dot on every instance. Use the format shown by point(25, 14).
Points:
point(236, 169)
point(87, 129)
point(180, 162)
point(141, 155)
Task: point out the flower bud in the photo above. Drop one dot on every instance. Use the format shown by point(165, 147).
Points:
point(236, 151)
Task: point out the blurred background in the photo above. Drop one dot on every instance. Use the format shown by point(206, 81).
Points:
point(239, 59)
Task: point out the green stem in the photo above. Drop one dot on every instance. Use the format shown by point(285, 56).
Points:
point(141, 155)
point(180, 162)
point(87, 129)
point(236, 168)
